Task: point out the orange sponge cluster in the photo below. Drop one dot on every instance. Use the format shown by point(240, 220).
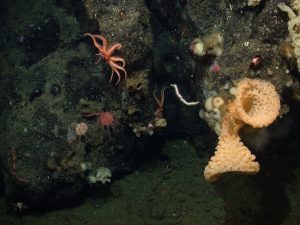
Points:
point(257, 104)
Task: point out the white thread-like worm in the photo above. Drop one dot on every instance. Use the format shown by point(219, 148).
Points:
point(181, 98)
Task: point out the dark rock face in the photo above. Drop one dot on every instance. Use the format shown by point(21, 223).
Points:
point(42, 39)
point(269, 25)
point(55, 89)
point(205, 13)
point(48, 161)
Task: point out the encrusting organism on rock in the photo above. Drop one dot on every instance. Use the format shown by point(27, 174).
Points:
point(106, 120)
point(106, 53)
point(253, 2)
point(257, 104)
point(81, 129)
point(293, 25)
point(211, 44)
point(77, 131)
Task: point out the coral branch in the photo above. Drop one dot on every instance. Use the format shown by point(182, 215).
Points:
point(160, 103)
point(13, 167)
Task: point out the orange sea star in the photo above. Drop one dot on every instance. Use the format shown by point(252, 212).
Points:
point(116, 63)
